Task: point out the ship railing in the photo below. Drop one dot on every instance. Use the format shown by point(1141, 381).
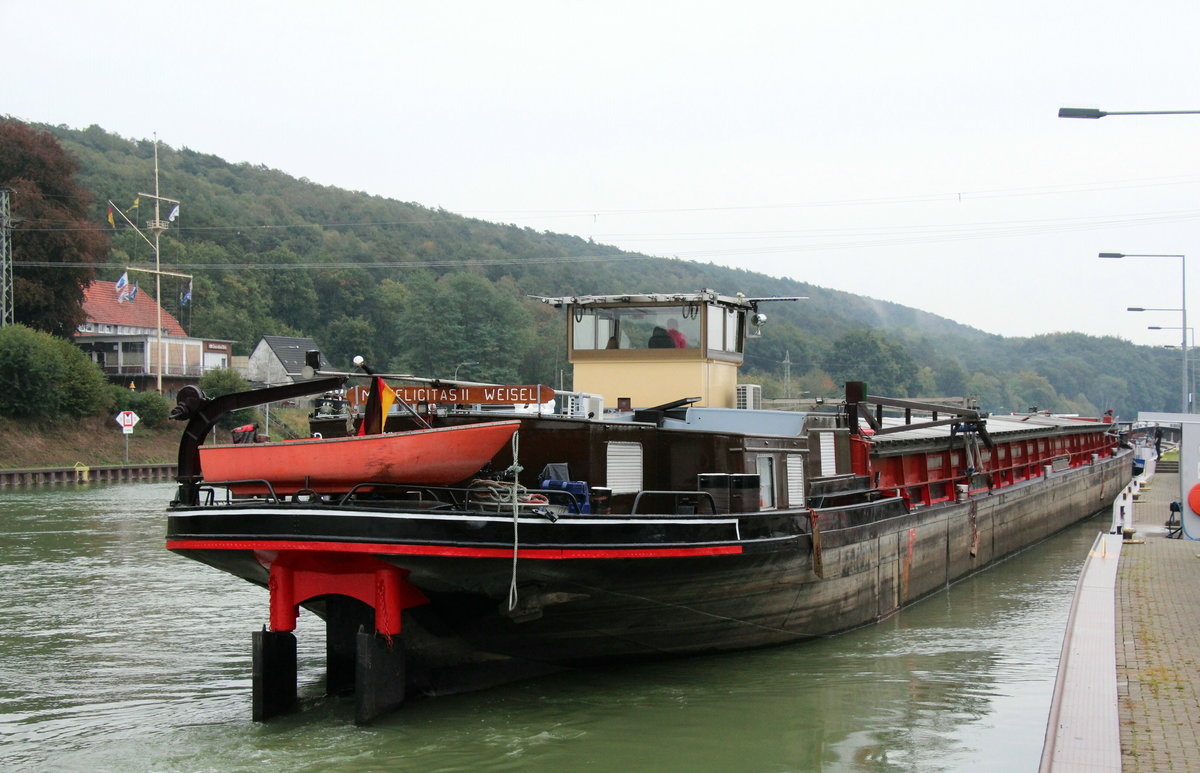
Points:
point(422, 497)
point(548, 503)
point(467, 500)
point(208, 491)
point(383, 495)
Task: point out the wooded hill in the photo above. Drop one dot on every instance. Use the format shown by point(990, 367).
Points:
point(422, 290)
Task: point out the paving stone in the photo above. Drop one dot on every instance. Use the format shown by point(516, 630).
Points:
point(1158, 640)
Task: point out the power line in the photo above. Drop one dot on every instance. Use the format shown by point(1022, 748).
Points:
point(346, 265)
point(1066, 188)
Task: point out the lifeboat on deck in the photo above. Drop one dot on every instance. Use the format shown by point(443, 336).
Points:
point(434, 457)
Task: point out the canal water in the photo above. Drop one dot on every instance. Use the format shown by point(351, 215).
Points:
point(117, 655)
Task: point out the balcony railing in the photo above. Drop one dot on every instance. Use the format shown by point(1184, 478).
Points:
point(142, 370)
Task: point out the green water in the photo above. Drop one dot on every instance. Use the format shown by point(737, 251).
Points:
point(117, 655)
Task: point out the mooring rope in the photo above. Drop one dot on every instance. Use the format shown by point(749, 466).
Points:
point(515, 469)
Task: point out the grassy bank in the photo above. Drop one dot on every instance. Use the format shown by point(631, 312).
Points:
point(97, 440)
point(94, 441)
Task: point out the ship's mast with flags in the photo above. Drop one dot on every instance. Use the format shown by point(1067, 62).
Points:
point(156, 226)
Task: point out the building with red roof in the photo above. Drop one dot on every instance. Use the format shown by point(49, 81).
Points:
point(121, 336)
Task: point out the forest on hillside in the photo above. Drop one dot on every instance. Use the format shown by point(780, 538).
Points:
point(422, 290)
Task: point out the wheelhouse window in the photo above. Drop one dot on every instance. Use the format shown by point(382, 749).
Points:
point(636, 327)
point(724, 329)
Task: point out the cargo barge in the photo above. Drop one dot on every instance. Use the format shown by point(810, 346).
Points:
point(642, 515)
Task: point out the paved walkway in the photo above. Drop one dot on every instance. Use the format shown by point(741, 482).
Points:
point(1083, 731)
point(1158, 640)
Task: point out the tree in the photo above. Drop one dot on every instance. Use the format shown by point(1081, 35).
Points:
point(83, 388)
point(988, 390)
point(345, 338)
point(464, 318)
point(151, 408)
point(865, 355)
point(951, 379)
point(1029, 390)
point(55, 228)
point(43, 377)
point(221, 382)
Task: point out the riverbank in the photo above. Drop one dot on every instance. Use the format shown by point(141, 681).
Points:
point(94, 441)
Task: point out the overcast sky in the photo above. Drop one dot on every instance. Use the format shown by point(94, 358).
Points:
point(907, 151)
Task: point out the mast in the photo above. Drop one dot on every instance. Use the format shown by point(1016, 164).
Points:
point(157, 226)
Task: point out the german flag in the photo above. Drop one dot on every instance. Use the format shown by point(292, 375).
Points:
point(379, 402)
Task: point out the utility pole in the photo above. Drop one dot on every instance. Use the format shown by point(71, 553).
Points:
point(787, 373)
point(7, 302)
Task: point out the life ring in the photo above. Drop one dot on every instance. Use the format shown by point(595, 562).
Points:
point(1193, 498)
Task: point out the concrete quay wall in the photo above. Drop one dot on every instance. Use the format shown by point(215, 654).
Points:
point(117, 473)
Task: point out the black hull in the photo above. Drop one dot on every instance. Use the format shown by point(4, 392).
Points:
point(603, 588)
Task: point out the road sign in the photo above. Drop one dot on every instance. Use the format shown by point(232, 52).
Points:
point(127, 419)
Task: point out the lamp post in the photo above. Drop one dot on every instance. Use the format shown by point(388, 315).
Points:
point(459, 365)
point(1183, 395)
point(1091, 112)
point(1191, 333)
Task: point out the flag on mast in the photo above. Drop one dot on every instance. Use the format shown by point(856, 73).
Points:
point(121, 284)
point(379, 402)
point(112, 223)
point(174, 214)
point(186, 297)
point(136, 201)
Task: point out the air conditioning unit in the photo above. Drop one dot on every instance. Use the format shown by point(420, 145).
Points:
point(579, 405)
point(749, 397)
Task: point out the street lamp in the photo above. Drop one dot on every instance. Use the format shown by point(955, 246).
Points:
point(1091, 112)
point(1191, 332)
point(1183, 395)
point(459, 365)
